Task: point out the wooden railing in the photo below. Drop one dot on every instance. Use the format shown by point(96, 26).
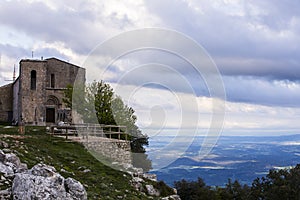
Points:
point(86, 130)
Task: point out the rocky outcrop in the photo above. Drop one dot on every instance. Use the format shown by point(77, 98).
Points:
point(43, 182)
point(152, 191)
point(140, 181)
point(40, 182)
point(10, 164)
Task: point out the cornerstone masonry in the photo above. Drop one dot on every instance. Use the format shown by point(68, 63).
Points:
point(35, 97)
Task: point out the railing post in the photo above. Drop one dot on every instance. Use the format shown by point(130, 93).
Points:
point(66, 133)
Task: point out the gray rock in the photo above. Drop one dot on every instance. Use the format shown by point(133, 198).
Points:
point(2, 156)
point(138, 172)
point(12, 158)
point(86, 171)
point(22, 168)
point(10, 163)
point(63, 170)
point(28, 186)
point(5, 194)
point(172, 197)
point(2, 178)
point(6, 169)
point(42, 182)
point(151, 177)
point(138, 186)
point(152, 191)
point(3, 144)
point(127, 166)
point(137, 179)
point(75, 189)
point(6, 150)
point(43, 170)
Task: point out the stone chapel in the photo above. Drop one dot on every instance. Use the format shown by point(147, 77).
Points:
point(35, 97)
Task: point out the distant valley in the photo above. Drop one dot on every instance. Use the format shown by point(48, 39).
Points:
point(241, 158)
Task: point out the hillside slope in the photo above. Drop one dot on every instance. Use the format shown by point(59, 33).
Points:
point(71, 159)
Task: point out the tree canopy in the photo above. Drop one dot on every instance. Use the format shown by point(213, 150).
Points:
point(281, 184)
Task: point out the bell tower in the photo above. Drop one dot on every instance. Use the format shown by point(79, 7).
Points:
point(32, 91)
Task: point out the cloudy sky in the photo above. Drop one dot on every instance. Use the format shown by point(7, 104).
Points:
point(254, 44)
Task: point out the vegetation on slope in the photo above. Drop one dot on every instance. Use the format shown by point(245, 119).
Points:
point(71, 159)
point(281, 184)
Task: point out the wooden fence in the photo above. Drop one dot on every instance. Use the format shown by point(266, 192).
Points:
point(86, 130)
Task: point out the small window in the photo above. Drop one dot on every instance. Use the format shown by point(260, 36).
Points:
point(52, 81)
point(33, 80)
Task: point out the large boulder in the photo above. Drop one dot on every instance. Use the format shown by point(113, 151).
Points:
point(43, 182)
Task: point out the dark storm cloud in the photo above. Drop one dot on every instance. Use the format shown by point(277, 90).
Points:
point(261, 91)
point(281, 69)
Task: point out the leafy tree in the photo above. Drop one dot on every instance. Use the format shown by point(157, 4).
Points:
point(97, 101)
point(194, 190)
point(236, 191)
point(124, 115)
point(257, 190)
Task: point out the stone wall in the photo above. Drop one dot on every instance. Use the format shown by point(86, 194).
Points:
point(110, 149)
point(64, 73)
point(6, 96)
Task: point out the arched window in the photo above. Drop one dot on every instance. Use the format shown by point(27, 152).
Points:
point(33, 80)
